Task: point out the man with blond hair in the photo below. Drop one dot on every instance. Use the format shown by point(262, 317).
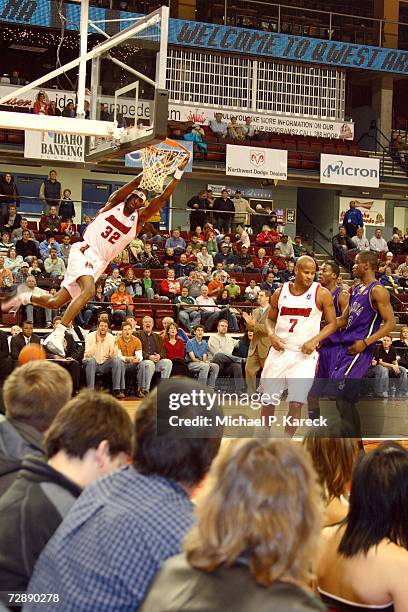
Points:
point(33, 395)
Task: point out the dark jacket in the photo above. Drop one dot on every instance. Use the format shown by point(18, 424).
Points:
point(66, 209)
point(5, 362)
point(18, 342)
point(17, 439)
point(52, 191)
point(8, 193)
point(179, 586)
point(158, 342)
point(32, 509)
point(224, 208)
point(4, 222)
point(339, 241)
point(26, 249)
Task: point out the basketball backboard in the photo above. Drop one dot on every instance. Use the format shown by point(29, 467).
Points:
point(108, 137)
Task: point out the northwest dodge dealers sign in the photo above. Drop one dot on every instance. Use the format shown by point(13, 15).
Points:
point(254, 162)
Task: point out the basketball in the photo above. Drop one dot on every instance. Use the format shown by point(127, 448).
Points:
point(31, 352)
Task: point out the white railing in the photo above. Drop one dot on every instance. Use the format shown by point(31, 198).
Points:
point(235, 83)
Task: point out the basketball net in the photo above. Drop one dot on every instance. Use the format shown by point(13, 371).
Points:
point(159, 163)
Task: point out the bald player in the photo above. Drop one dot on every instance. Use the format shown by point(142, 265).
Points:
point(294, 328)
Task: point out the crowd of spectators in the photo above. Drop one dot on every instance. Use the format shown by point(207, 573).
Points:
point(177, 513)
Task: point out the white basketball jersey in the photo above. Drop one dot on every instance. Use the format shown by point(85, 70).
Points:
point(299, 316)
point(110, 232)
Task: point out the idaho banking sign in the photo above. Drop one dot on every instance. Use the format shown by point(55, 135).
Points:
point(220, 38)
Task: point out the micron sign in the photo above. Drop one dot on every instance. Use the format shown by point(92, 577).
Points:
point(347, 170)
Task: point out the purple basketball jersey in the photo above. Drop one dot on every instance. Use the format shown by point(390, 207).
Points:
point(363, 320)
point(335, 338)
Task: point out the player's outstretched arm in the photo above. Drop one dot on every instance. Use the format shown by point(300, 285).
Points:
point(325, 302)
point(157, 202)
point(120, 194)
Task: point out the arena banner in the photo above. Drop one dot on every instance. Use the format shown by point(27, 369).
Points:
point(53, 146)
point(256, 162)
point(262, 122)
point(222, 38)
point(348, 170)
point(373, 211)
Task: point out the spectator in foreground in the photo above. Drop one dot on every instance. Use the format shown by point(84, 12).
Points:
point(232, 561)
point(139, 514)
point(31, 403)
point(334, 460)
point(90, 437)
point(364, 560)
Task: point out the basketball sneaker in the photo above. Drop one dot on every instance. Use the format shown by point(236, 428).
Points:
point(55, 341)
point(21, 297)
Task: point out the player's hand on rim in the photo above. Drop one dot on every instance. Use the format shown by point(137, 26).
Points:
point(184, 162)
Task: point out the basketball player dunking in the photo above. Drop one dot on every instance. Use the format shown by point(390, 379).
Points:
point(294, 326)
point(368, 317)
point(328, 350)
point(109, 233)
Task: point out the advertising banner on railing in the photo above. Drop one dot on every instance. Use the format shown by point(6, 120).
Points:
point(262, 122)
point(347, 170)
point(373, 211)
point(56, 147)
point(256, 162)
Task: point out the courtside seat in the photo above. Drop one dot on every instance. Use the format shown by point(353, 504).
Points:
point(15, 136)
point(33, 226)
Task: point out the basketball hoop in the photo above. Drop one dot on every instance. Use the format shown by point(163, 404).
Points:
point(159, 163)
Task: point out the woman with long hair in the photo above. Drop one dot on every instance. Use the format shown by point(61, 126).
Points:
point(175, 350)
point(41, 104)
point(242, 348)
point(364, 560)
point(333, 459)
point(8, 193)
point(255, 536)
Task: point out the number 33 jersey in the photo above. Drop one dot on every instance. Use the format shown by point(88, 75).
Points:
point(110, 232)
point(299, 316)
